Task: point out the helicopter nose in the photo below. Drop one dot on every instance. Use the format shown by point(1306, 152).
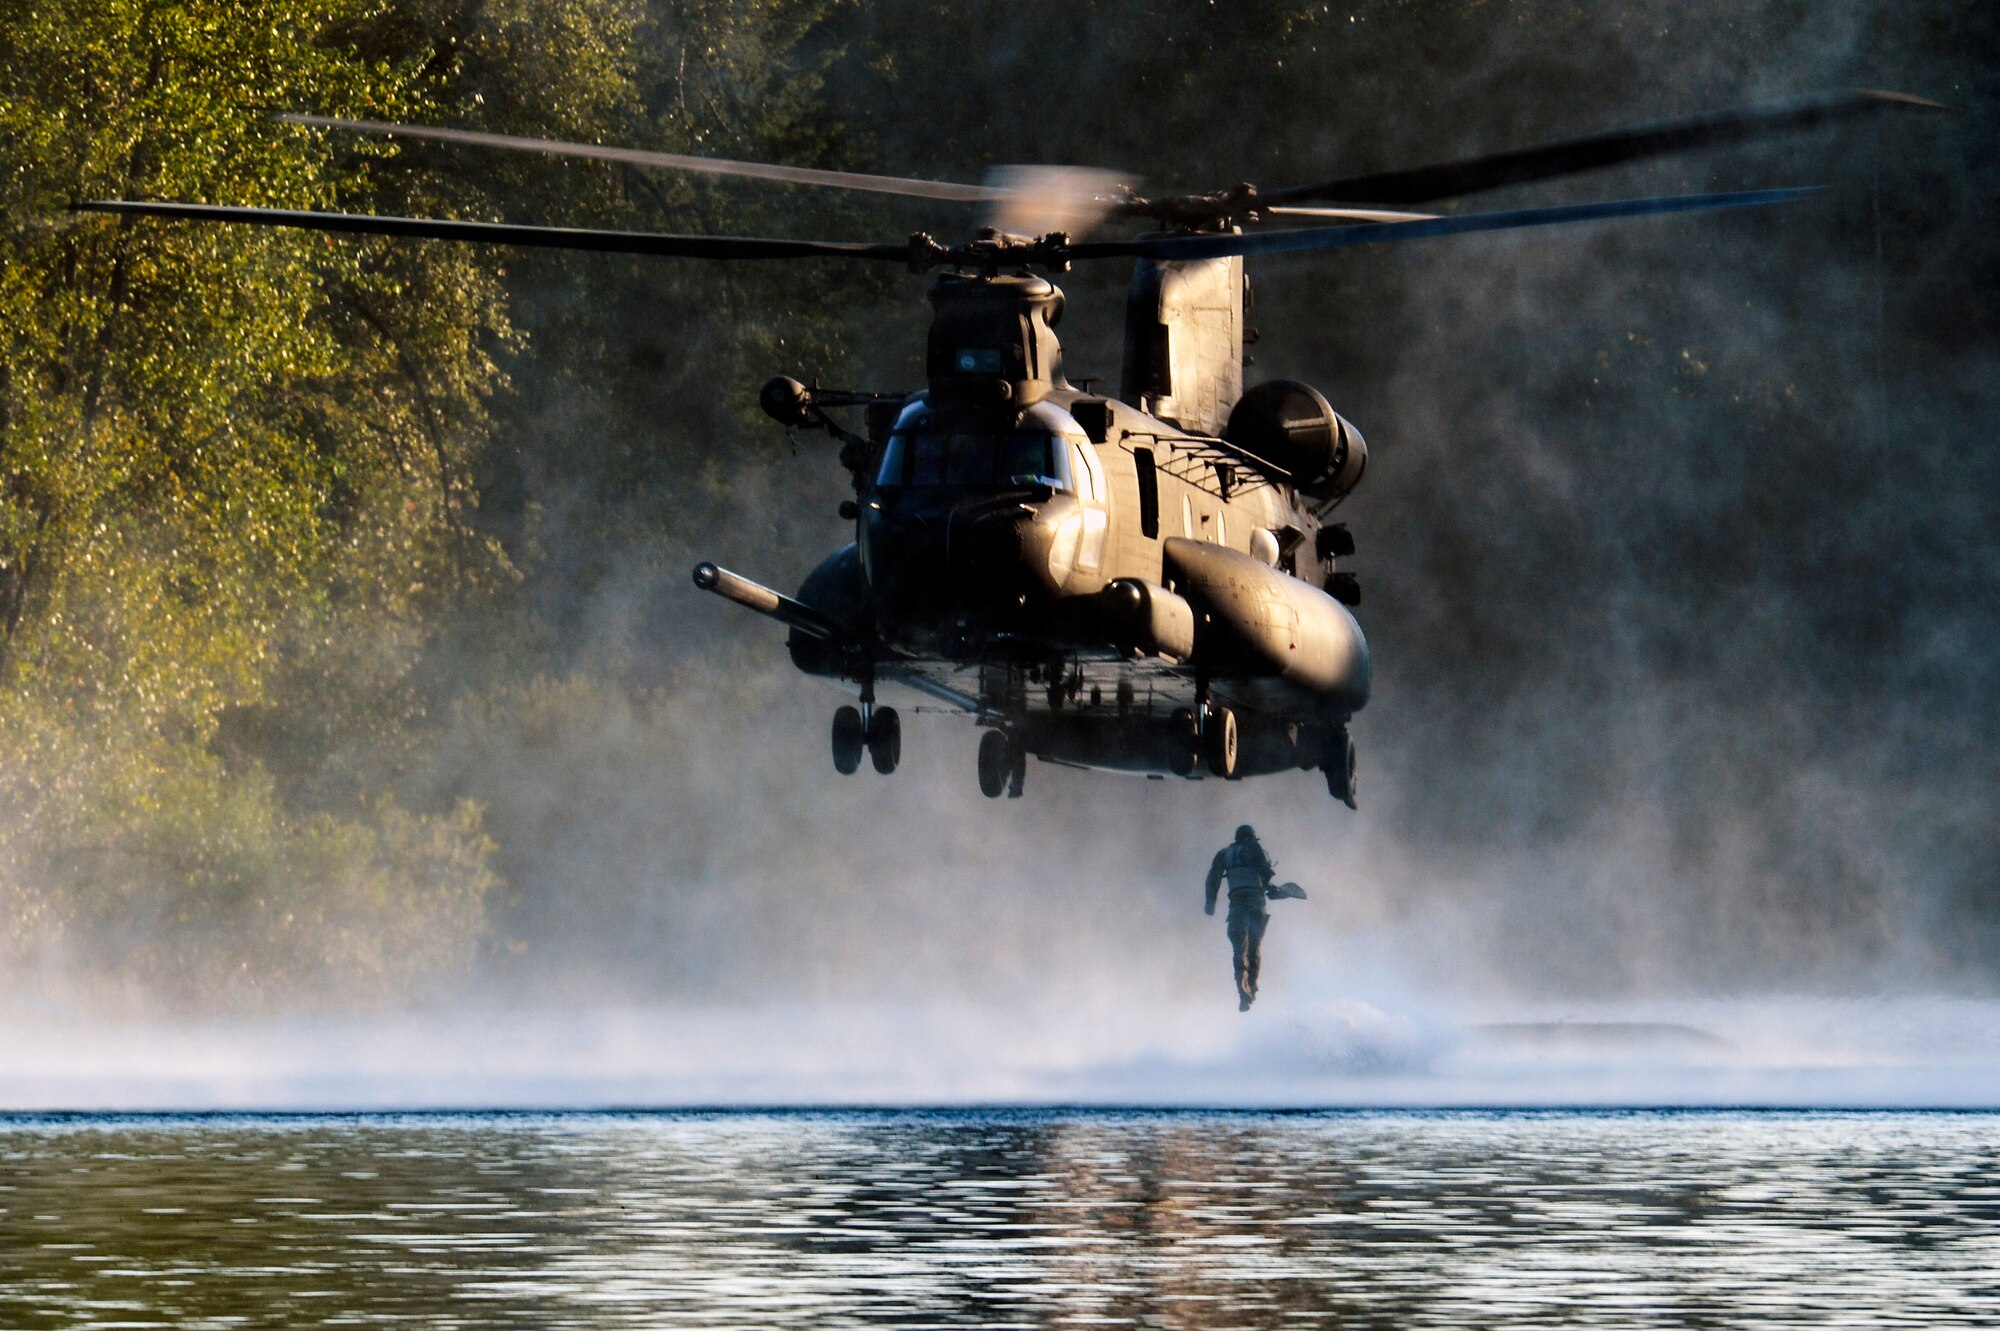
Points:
point(979, 555)
point(983, 543)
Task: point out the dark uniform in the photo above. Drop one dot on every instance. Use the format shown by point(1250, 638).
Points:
point(1244, 866)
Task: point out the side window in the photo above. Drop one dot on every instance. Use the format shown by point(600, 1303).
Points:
point(1091, 553)
point(1090, 487)
point(895, 461)
point(1062, 468)
point(1187, 516)
point(1149, 493)
point(1221, 528)
point(1090, 478)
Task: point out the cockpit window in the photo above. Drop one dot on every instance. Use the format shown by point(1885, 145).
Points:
point(988, 461)
point(977, 360)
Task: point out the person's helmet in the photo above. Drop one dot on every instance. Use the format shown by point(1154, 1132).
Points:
point(1246, 833)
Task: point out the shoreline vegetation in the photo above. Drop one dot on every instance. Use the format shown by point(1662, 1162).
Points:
point(257, 546)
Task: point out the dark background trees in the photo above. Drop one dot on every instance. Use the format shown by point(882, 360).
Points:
point(347, 628)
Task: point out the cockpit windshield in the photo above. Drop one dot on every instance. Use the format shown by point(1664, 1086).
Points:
point(977, 459)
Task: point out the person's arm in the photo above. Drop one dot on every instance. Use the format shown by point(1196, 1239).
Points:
point(1214, 882)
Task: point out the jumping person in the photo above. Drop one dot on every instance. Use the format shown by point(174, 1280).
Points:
point(1248, 870)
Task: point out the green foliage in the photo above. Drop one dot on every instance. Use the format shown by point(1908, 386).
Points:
point(253, 499)
point(633, 423)
point(226, 457)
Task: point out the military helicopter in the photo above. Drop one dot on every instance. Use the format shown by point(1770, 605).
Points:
point(1146, 583)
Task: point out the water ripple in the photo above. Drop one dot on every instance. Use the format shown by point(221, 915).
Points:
point(1033, 1219)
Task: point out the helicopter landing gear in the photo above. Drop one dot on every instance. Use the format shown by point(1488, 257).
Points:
point(885, 739)
point(1186, 740)
point(878, 730)
point(1003, 765)
point(1339, 767)
point(1218, 743)
point(847, 740)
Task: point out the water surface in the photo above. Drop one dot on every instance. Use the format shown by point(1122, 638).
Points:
point(1043, 1218)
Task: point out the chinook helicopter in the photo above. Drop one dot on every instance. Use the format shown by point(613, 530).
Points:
point(1146, 583)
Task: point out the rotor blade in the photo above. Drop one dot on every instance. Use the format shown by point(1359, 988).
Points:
point(1038, 200)
point(714, 166)
point(1568, 156)
point(1376, 233)
point(503, 233)
point(1349, 214)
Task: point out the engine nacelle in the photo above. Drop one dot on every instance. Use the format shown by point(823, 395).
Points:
point(1148, 619)
point(1292, 427)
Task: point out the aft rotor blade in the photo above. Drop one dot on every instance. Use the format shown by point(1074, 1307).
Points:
point(1377, 233)
point(1565, 157)
point(504, 233)
point(1349, 214)
point(714, 166)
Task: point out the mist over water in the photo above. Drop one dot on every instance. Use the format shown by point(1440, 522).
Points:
point(1320, 1048)
point(1678, 548)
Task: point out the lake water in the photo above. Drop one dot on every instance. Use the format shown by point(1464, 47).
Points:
point(1029, 1218)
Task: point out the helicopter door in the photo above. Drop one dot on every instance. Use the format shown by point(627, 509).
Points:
point(1149, 492)
point(1092, 489)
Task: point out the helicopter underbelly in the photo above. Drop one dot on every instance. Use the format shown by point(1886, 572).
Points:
point(1268, 742)
point(1120, 715)
point(1287, 659)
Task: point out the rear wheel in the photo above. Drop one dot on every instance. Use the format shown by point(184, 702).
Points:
point(847, 740)
point(996, 763)
point(1219, 743)
point(885, 740)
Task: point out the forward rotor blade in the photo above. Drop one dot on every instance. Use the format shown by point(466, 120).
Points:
point(1377, 233)
point(920, 252)
point(714, 166)
point(1471, 175)
point(503, 233)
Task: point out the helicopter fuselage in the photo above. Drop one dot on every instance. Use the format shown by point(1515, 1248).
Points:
point(1085, 590)
point(1100, 584)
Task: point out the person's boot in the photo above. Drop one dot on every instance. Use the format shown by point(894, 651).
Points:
point(1243, 1001)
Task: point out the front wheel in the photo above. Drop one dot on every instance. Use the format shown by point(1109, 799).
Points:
point(847, 740)
point(996, 762)
point(885, 740)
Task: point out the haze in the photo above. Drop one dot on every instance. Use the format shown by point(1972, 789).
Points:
point(1678, 553)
